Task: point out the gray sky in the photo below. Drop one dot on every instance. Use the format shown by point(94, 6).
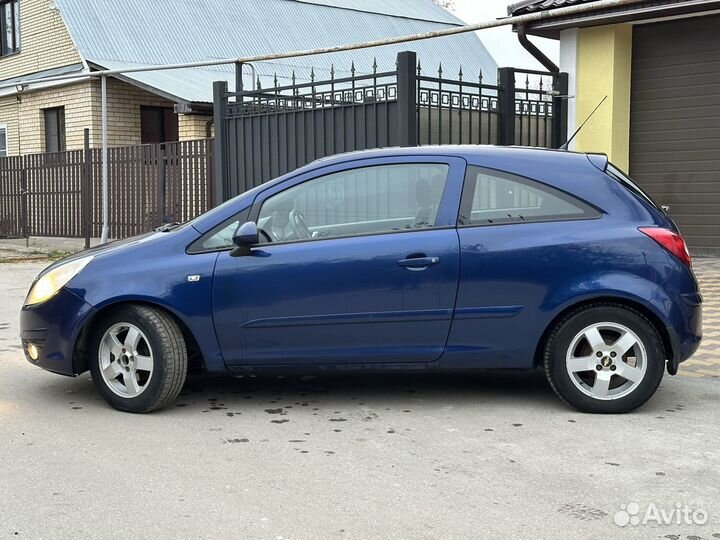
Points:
point(502, 42)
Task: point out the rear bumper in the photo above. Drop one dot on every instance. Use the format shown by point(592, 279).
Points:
point(53, 327)
point(686, 333)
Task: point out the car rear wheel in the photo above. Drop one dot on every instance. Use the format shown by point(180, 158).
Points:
point(604, 358)
point(139, 358)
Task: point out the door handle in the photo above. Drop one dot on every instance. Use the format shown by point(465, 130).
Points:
point(418, 263)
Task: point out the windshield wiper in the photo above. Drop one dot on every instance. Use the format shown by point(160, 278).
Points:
point(168, 227)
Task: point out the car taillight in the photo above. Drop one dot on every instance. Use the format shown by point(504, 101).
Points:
point(671, 241)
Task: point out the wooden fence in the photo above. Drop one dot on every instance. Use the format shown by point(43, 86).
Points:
point(60, 194)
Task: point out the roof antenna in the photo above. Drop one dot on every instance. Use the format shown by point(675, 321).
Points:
point(567, 144)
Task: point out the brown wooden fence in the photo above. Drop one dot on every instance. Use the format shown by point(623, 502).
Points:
point(60, 194)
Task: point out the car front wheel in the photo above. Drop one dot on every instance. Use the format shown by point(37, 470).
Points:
point(139, 360)
point(604, 358)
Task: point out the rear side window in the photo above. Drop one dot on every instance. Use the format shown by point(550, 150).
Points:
point(493, 197)
point(627, 182)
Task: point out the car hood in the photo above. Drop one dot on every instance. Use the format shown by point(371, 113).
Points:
point(111, 248)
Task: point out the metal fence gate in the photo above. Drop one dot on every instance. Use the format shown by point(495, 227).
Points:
point(263, 133)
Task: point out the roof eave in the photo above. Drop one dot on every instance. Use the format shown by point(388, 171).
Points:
point(551, 27)
point(193, 106)
point(513, 9)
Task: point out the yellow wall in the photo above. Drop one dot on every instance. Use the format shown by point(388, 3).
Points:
point(123, 106)
point(604, 57)
point(193, 126)
point(44, 41)
point(24, 117)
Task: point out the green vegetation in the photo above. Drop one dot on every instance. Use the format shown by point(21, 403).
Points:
point(8, 257)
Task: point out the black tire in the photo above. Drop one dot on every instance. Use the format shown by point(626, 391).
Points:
point(169, 358)
point(561, 338)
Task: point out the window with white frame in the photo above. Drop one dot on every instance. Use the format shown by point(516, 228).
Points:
point(3, 141)
point(9, 27)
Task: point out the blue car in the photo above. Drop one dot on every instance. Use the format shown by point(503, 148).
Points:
point(431, 258)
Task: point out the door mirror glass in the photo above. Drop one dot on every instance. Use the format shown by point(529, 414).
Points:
point(245, 237)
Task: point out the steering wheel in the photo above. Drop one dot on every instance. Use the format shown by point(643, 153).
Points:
point(300, 228)
point(265, 237)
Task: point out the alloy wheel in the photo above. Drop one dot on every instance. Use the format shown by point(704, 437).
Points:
point(126, 360)
point(606, 361)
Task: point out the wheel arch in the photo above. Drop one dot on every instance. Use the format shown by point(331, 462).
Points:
point(80, 360)
point(649, 314)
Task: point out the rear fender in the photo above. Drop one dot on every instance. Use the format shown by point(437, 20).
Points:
point(620, 285)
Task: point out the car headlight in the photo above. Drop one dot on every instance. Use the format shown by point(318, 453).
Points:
point(48, 285)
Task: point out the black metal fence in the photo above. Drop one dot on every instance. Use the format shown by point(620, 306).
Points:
point(263, 133)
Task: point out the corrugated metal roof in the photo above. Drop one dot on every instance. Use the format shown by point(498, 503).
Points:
point(53, 72)
point(136, 32)
point(411, 9)
point(193, 85)
point(529, 6)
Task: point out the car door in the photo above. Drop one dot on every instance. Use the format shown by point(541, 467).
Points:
point(359, 264)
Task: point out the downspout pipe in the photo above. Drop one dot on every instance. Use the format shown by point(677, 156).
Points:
point(532, 49)
point(105, 195)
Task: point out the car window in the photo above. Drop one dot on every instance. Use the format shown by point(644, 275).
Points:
point(628, 183)
point(367, 200)
point(223, 237)
point(493, 197)
point(220, 236)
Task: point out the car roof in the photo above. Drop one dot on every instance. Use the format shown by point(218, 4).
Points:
point(471, 153)
point(569, 171)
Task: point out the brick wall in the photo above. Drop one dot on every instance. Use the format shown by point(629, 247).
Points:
point(124, 102)
point(76, 99)
point(8, 119)
point(46, 44)
point(44, 41)
point(25, 118)
point(193, 126)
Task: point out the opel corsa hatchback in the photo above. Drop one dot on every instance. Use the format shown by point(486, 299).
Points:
point(435, 258)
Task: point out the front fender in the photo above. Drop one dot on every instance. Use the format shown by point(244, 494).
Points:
point(160, 277)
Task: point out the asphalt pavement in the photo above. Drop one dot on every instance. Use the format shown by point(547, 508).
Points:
point(348, 457)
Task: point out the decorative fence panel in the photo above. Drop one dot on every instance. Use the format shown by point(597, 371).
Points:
point(60, 194)
point(456, 111)
point(53, 191)
point(539, 114)
point(134, 179)
point(13, 205)
point(269, 133)
point(188, 176)
point(263, 133)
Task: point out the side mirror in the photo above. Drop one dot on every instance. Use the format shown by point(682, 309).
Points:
point(246, 236)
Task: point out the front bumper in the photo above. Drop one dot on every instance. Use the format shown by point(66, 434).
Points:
point(53, 327)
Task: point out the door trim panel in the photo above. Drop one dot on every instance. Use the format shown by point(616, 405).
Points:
point(487, 312)
point(352, 318)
